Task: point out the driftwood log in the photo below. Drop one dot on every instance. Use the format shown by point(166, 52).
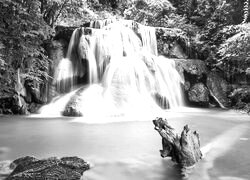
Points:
point(184, 149)
point(66, 168)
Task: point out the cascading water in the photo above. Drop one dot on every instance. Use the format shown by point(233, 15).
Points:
point(121, 61)
point(65, 72)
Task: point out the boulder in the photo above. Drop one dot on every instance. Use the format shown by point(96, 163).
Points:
point(34, 107)
point(20, 106)
point(66, 168)
point(193, 69)
point(219, 89)
point(13, 105)
point(198, 94)
point(72, 110)
point(73, 107)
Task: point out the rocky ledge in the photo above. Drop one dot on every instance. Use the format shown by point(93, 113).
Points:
point(28, 168)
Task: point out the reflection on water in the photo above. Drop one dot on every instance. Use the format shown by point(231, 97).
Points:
point(130, 150)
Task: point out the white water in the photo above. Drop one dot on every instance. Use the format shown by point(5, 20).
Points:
point(132, 78)
point(57, 105)
point(65, 72)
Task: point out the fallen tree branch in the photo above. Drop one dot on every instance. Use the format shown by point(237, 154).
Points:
point(184, 149)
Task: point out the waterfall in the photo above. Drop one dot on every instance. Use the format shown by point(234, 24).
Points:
point(65, 72)
point(122, 58)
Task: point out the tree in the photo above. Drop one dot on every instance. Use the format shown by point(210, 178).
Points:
point(22, 34)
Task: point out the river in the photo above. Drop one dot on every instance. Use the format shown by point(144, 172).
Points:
point(129, 150)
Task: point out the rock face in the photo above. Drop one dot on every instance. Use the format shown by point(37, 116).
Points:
point(194, 73)
point(199, 94)
point(28, 168)
point(193, 70)
point(219, 88)
point(184, 149)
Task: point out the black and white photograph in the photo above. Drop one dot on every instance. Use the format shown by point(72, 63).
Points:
point(124, 90)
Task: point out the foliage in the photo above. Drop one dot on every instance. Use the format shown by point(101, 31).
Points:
point(153, 13)
point(234, 53)
point(22, 33)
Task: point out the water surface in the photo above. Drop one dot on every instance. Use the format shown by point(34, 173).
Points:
point(129, 150)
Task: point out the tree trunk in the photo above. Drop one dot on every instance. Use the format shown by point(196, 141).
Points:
point(184, 149)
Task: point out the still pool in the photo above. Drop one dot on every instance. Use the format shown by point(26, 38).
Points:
point(129, 150)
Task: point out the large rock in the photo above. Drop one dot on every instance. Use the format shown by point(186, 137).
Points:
point(199, 95)
point(73, 107)
point(28, 168)
point(13, 105)
point(219, 89)
point(19, 106)
point(193, 70)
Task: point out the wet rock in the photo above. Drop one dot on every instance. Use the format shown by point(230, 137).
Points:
point(184, 149)
point(219, 88)
point(66, 168)
point(71, 110)
point(199, 95)
point(34, 107)
point(7, 111)
point(19, 106)
point(193, 69)
point(73, 107)
point(13, 105)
